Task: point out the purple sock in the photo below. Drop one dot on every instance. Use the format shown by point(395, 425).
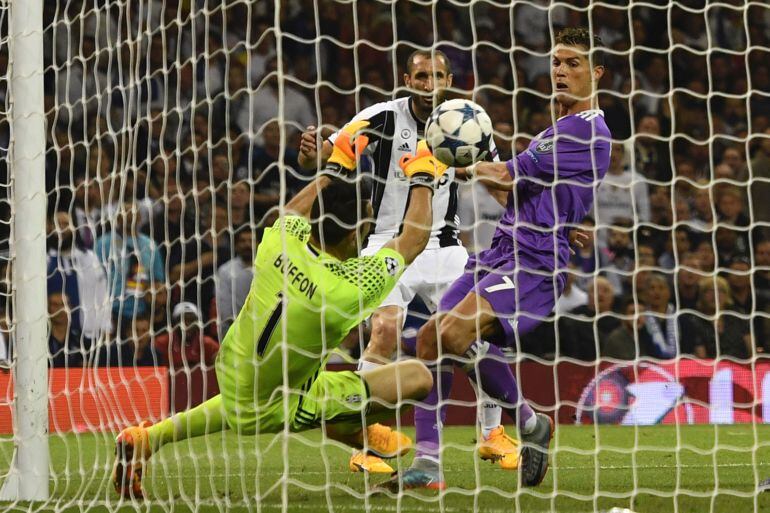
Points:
point(427, 426)
point(497, 380)
point(409, 343)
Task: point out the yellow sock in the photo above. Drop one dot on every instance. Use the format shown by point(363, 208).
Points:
point(206, 418)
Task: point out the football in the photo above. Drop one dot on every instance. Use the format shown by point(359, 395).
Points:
point(458, 132)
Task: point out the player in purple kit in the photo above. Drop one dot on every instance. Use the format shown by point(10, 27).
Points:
point(509, 288)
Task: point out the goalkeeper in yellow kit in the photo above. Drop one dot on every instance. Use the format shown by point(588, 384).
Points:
point(310, 288)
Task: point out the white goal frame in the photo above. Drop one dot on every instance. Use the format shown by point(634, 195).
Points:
point(28, 478)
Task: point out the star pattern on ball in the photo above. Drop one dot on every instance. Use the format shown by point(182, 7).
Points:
point(468, 112)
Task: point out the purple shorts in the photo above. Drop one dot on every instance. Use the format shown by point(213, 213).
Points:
point(521, 298)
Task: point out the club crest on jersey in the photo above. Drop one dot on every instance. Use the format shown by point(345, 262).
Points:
point(391, 265)
point(545, 146)
point(406, 133)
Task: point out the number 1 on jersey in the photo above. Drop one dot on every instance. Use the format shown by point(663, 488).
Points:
point(269, 328)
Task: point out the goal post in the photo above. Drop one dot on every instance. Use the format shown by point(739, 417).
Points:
point(28, 476)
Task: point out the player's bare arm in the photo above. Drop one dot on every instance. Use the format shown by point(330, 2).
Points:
point(493, 175)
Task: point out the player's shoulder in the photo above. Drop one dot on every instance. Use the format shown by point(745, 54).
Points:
point(585, 125)
point(389, 107)
point(297, 227)
point(369, 273)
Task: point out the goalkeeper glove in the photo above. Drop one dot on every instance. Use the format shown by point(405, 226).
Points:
point(348, 146)
point(422, 169)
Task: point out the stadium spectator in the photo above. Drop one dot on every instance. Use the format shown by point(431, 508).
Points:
point(653, 79)
point(617, 259)
point(190, 259)
point(762, 270)
point(186, 346)
point(573, 296)
point(676, 247)
point(704, 210)
point(622, 194)
point(78, 273)
point(297, 112)
point(267, 165)
point(651, 154)
point(760, 179)
point(658, 336)
point(686, 281)
point(730, 244)
point(242, 201)
point(622, 343)
point(730, 207)
point(133, 347)
point(234, 279)
point(743, 299)
point(66, 346)
point(262, 53)
point(578, 328)
point(133, 263)
point(723, 333)
point(734, 159)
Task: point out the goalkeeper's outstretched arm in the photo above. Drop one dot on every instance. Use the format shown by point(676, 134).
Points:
point(423, 171)
point(342, 160)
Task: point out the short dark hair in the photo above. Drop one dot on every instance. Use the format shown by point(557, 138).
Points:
point(581, 36)
point(336, 211)
point(428, 54)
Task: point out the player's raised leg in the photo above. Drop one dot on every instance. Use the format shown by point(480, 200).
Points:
point(464, 332)
point(135, 444)
point(386, 333)
point(383, 391)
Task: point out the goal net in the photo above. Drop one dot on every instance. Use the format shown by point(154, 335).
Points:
point(173, 145)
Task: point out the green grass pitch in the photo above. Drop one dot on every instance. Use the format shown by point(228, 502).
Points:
point(653, 469)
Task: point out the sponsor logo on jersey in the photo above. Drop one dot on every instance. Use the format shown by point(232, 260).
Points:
point(353, 398)
point(295, 277)
point(544, 146)
point(391, 264)
point(404, 147)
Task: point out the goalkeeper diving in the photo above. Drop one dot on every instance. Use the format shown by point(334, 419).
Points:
point(310, 288)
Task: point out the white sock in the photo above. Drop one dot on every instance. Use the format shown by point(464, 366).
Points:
point(366, 365)
point(490, 415)
point(530, 425)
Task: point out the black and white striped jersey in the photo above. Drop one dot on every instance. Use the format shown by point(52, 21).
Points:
point(393, 131)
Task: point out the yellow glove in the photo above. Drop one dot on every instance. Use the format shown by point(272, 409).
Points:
point(348, 146)
point(422, 169)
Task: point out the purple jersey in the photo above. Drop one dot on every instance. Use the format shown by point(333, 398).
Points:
point(556, 173)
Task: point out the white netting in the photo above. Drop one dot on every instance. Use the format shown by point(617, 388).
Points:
point(172, 140)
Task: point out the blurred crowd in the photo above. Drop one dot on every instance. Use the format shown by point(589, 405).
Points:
point(166, 159)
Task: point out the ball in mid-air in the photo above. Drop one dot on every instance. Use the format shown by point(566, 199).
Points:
point(458, 132)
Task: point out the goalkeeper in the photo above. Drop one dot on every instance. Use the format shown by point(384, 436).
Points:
point(310, 288)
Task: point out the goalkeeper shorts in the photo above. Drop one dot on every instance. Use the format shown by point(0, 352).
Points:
point(332, 397)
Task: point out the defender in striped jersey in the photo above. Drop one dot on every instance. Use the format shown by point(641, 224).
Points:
point(394, 129)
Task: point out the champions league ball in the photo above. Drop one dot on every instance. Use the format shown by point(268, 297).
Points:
point(458, 133)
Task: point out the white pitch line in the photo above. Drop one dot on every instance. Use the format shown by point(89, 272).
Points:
point(465, 469)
